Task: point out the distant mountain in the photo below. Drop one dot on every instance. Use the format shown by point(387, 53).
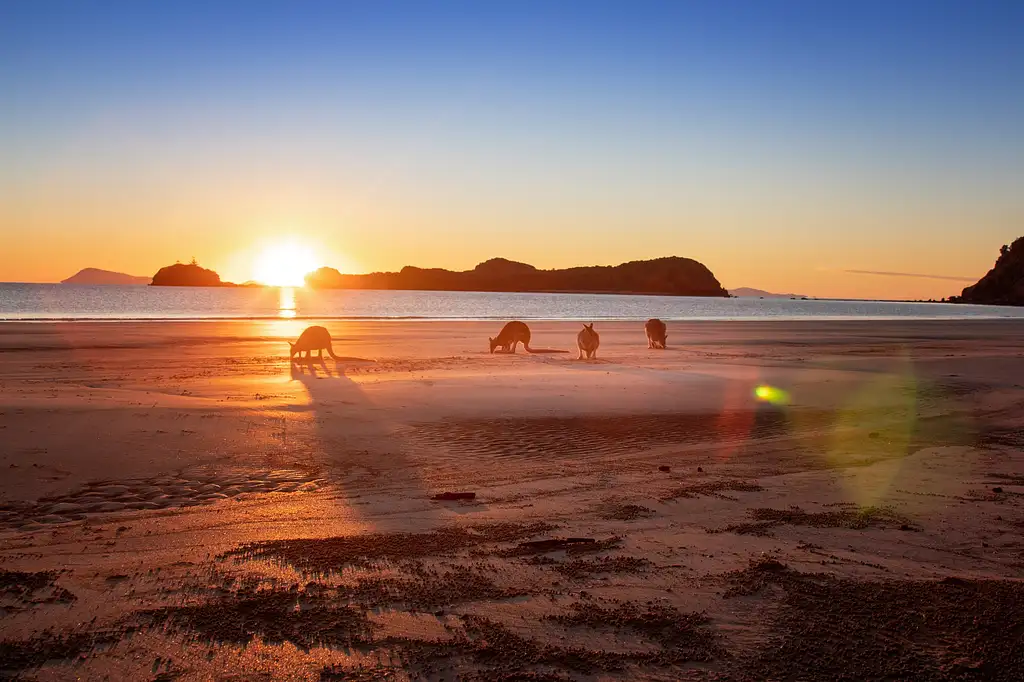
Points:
point(671, 276)
point(1003, 284)
point(187, 275)
point(747, 292)
point(97, 276)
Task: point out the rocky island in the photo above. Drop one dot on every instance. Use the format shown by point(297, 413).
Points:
point(187, 275)
point(1003, 284)
point(672, 276)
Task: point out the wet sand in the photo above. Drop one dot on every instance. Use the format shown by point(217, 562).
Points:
point(179, 501)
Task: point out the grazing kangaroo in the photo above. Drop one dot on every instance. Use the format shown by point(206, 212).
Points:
point(656, 333)
point(588, 340)
point(313, 339)
point(510, 336)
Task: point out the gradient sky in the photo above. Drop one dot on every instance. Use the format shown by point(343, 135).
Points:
point(783, 144)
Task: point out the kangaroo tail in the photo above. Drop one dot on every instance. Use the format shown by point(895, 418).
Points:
point(330, 351)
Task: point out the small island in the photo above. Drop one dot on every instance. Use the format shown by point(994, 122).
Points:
point(187, 275)
point(748, 292)
point(671, 276)
point(96, 276)
point(1003, 284)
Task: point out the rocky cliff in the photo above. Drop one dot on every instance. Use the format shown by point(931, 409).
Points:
point(671, 276)
point(1004, 283)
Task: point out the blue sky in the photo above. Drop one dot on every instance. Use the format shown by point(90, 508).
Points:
point(781, 143)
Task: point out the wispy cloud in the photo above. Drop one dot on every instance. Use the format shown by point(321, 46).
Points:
point(883, 273)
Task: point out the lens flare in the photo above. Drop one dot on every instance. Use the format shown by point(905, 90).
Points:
point(876, 425)
point(770, 394)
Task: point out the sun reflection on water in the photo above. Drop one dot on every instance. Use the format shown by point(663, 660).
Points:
point(287, 306)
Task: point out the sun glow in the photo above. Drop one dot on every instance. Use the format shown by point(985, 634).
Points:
point(284, 264)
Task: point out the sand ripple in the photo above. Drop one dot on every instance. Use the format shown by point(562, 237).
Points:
point(156, 493)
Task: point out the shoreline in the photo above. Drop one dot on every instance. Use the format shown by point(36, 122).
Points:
point(682, 320)
point(386, 336)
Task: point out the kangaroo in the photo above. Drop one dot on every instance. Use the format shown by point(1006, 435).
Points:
point(313, 339)
point(656, 333)
point(510, 336)
point(588, 340)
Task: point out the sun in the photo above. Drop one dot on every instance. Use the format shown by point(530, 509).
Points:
point(284, 264)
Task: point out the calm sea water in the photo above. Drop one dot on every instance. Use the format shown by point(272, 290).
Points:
point(63, 302)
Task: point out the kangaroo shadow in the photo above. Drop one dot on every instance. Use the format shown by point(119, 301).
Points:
point(363, 449)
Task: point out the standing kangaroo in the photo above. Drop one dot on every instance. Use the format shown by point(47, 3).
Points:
point(588, 340)
point(510, 336)
point(657, 334)
point(313, 339)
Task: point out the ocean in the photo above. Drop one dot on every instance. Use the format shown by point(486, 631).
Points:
point(40, 302)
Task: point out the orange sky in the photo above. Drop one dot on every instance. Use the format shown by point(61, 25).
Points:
point(50, 240)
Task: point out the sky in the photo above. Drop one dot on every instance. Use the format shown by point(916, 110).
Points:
point(822, 148)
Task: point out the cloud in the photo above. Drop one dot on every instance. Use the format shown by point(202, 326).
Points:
point(911, 274)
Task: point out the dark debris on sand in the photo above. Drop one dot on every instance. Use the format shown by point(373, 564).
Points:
point(20, 583)
point(682, 636)
point(1001, 437)
point(304, 618)
point(582, 568)
point(1008, 479)
point(625, 512)
point(325, 555)
point(504, 653)
point(567, 545)
point(336, 673)
point(428, 589)
point(712, 489)
point(18, 656)
point(761, 573)
point(853, 519)
point(840, 629)
point(18, 588)
point(520, 676)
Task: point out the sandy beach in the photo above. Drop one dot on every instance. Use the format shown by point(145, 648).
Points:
point(762, 500)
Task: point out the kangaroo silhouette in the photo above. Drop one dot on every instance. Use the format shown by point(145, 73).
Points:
point(313, 339)
point(657, 334)
point(510, 336)
point(588, 340)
